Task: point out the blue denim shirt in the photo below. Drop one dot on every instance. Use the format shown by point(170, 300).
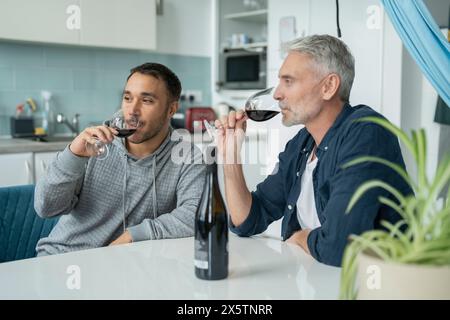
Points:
point(277, 195)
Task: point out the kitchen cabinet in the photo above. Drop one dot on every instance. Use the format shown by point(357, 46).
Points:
point(24, 168)
point(235, 17)
point(241, 28)
point(119, 24)
point(40, 21)
point(41, 162)
point(101, 23)
point(16, 169)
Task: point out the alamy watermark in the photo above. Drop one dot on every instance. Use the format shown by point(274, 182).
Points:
point(73, 281)
point(73, 21)
point(257, 147)
point(375, 17)
point(373, 281)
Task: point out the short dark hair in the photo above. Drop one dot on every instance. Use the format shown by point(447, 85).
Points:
point(161, 72)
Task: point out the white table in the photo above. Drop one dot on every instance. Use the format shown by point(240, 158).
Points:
point(260, 268)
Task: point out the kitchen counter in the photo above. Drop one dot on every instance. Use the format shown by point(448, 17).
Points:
point(18, 145)
point(260, 268)
point(15, 145)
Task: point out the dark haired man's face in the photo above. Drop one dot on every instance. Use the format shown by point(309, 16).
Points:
point(146, 98)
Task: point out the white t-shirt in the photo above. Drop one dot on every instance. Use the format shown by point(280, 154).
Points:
point(306, 206)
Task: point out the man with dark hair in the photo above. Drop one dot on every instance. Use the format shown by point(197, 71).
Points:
point(137, 192)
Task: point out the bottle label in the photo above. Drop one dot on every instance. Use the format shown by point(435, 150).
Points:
point(201, 264)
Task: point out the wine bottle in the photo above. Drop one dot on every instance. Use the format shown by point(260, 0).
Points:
point(211, 231)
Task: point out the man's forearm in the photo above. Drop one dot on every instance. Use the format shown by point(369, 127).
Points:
point(239, 198)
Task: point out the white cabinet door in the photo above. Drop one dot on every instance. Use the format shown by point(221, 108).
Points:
point(16, 169)
point(117, 23)
point(41, 21)
point(41, 163)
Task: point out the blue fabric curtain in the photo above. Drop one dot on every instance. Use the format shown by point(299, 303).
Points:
point(424, 41)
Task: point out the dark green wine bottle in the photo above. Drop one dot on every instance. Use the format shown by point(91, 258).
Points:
point(211, 231)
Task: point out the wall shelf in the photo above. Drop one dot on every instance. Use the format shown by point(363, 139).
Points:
point(256, 16)
point(255, 45)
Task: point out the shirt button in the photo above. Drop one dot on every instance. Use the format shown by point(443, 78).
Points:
point(326, 148)
point(289, 207)
point(298, 173)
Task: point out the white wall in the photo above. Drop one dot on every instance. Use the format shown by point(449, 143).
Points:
point(377, 52)
point(391, 80)
point(185, 27)
point(367, 44)
point(419, 100)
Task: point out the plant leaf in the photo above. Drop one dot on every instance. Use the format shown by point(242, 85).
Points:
point(362, 189)
point(419, 139)
point(397, 168)
point(394, 231)
point(441, 179)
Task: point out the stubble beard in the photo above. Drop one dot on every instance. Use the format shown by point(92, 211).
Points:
point(152, 133)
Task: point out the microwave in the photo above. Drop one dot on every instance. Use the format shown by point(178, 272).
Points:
point(243, 69)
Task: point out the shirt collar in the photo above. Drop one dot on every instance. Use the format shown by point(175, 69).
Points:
point(323, 146)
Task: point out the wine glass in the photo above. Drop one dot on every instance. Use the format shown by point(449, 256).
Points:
point(259, 107)
point(262, 106)
point(124, 127)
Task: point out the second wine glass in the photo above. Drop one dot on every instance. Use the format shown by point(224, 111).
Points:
point(262, 106)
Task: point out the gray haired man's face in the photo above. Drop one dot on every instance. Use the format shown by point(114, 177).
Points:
point(299, 89)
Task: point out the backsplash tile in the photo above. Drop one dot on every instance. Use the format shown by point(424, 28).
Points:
point(43, 78)
point(21, 54)
point(6, 78)
point(83, 80)
point(69, 57)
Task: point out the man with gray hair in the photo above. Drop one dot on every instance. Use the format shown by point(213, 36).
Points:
point(310, 189)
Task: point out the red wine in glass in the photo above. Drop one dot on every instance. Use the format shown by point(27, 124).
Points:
point(261, 115)
point(124, 127)
point(262, 106)
point(124, 133)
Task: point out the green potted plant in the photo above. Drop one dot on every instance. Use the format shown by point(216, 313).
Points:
point(411, 259)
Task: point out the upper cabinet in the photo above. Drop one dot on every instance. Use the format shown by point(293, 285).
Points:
point(102, 23)
point(118, 23)
point(40, 21)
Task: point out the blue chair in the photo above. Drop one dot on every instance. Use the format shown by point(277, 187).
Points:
point(20, 226)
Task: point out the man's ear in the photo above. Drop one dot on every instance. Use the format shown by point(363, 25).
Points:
point(173, 107)
point(331, 86)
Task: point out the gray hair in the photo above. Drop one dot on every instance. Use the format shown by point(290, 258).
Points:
point(330, 53)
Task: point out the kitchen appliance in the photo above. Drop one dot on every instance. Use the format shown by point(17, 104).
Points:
point(243, 69)
point(192, 118)
point(195, 117)
point(22, 127)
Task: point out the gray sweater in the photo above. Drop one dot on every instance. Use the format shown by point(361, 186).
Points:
point(153, 198)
